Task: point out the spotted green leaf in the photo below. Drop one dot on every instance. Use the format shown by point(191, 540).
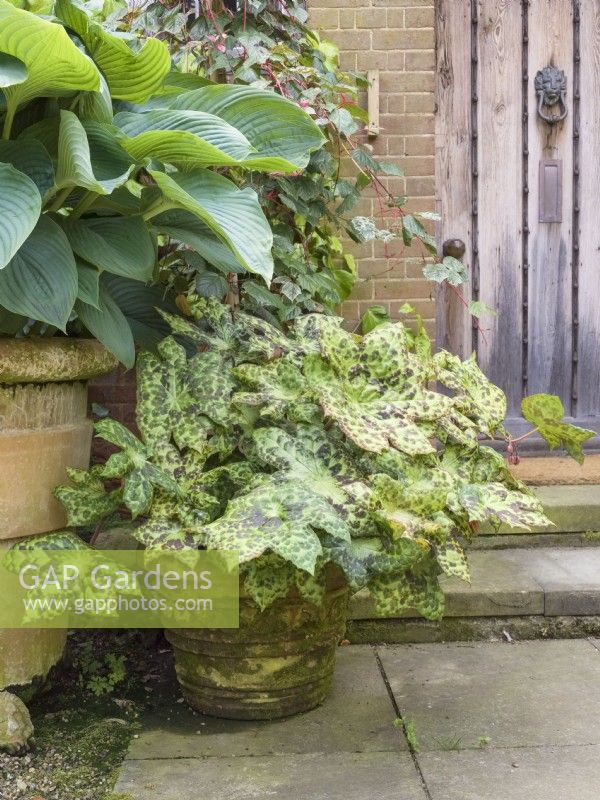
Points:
point(546, 413)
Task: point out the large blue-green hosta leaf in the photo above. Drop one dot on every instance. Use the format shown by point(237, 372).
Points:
point(31, 158)
point(120, 245)
point(54, 64)
point(188, 229)
point(133, 76)
point(234, 215)
point(139, 304)
point(282, 133)
point(88, 283)
point(40, 281)
point(75, 165)
point(20, 208)
point(12, 71)
point(186, 139)
point(105, 320)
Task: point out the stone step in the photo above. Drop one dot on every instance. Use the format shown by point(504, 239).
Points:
point(539, 592)
point(572, 509)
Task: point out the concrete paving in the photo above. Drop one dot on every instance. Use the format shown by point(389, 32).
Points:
point(489, 721)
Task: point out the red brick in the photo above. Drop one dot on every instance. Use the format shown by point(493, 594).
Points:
point(420, 60)
point(372, 59)
point(420, 103)
point(371, 18)
point(353, 40)
point(363, 290)
point(395, 18)
point(347, 19)
point(415, 145)
point(408, 123)
point(325, 18)
point(419, 17)
point(403, 82)
point(402, 39)
point(420, 187)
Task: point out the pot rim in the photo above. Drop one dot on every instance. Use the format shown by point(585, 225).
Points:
point(53, 360)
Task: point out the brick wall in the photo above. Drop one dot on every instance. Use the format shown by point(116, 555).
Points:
point(395, 37)
point(116, 392)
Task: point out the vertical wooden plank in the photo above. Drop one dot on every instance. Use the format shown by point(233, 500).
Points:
point(453, 161)
point(500, 159)
point(588, 372)
point(373, 102)
point(549, 362)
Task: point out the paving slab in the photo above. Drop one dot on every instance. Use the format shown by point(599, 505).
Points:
point(358, 716)
point(499, 587)
point(535, 773)
point(538, 693)
point(312, 776)
point(569, 577)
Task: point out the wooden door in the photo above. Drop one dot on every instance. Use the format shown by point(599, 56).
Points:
point(523, 193)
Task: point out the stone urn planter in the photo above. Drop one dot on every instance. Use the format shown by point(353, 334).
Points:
point(44, 429)
point(279, 661)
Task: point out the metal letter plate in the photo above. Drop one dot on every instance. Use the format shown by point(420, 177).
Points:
point(551, 182)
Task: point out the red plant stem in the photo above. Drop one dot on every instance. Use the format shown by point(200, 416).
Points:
point(269, 70)
point(520, 438)
point(466, 305)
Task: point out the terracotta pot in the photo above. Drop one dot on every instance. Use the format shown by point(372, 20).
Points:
point(278, 662)
point(43, 430)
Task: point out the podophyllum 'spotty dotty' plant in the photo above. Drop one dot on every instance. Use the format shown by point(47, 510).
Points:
point(312, 454)
point(301, 449)
point(86, 192)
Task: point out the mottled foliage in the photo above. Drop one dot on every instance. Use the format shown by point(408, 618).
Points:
point(311, 447)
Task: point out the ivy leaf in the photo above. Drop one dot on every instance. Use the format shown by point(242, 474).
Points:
point(546, 413)
point(211, 284)
point(374, 316)
point(411, 227)
point(450, 269)
point(389, 168)
point(478, 308)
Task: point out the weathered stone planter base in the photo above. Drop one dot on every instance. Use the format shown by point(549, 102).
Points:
point(279, 662)
point(28, 654)
point(44, 430)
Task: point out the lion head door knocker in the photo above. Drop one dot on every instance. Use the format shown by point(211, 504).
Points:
point(551, 91)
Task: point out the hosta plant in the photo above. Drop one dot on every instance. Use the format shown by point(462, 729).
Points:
point(269, 44)
point(303, 449)
point(105, 151)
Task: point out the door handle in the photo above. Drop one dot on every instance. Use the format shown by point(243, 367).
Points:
point(454, 247)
